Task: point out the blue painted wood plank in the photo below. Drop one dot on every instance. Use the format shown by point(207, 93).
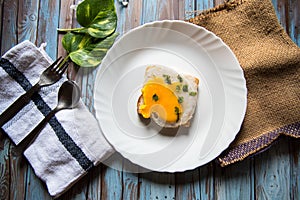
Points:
point(294, 27)
point(47, 26)
point(27, 20)
point(65, 21)
point(4, 167)
point(280, 7)
point(144, 188)
point(159, 10)
point(88, 76)
point(112, 180)
point(154, 185)
point(167, 9)
point(295, 168)
point(122, 19)
point(149, 11)
point(1, 16)
point(294, 22)
point(218, 2)
point(130, 186)
point(237, 178)
point(188, 185)
point(94, 187)
point(204, 4)
point(272, 172)
point(206, 181)
point(18, 173)
point(189, 9)
point(128, 17)
point(9, 18)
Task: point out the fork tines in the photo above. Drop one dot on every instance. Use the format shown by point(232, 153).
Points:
point(61, 67)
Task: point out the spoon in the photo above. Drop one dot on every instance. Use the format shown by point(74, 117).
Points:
point(68, 98)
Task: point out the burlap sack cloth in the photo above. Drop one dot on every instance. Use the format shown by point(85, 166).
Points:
point(271, 64)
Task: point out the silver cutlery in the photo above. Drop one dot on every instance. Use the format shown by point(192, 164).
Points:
point(49, 76)
point(68, 98)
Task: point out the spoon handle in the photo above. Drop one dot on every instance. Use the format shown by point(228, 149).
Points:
point(30, 138)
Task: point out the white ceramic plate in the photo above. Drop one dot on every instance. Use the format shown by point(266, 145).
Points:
point(186, 48)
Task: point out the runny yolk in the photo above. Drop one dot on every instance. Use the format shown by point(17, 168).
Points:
point(160, 99)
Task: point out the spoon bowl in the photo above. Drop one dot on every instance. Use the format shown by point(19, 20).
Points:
point(68, 95)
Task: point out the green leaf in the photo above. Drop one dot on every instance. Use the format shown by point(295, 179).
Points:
point(104, 24)
point(72, 42)
point(98, 17)
point(85, 50)
point(88, 44)
point(87, 10)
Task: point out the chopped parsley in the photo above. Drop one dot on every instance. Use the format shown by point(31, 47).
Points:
point(176, 110)
point(178, 88)
point(177, 113)
point(155, 97)
point(167, 79)
point(185, 88)
point(179, 78)
point(180, 99)
point(192, 93)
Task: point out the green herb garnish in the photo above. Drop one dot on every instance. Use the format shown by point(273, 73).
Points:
point(193, 93)
point(180, 99)
point(88, 44)
point(185, 88)
point(178, 87)
point(177, 113)
point(179, 78)
point(155, 97)
point(167, 79)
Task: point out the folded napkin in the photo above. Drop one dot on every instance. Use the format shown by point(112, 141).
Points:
point(70, 144)
point(271, 64)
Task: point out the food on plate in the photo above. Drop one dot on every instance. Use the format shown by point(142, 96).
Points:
point(168, 97)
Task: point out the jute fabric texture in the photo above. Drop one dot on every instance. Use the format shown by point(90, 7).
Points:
point(271, 64)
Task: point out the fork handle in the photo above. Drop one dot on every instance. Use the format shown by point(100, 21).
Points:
point(17, 105)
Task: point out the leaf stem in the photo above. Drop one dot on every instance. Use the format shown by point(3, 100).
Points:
point(70, 29)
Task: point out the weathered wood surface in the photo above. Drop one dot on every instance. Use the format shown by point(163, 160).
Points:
point(274, 174)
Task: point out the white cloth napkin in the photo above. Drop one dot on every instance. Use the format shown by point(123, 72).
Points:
point(70, 144)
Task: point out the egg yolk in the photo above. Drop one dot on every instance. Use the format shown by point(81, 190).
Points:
point(160, 99)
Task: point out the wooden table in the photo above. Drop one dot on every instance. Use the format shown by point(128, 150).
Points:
point(273, 174)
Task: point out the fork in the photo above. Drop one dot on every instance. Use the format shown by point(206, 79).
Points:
point(49, 76)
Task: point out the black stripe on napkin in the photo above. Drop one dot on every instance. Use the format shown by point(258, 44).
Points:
point(63, 137)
